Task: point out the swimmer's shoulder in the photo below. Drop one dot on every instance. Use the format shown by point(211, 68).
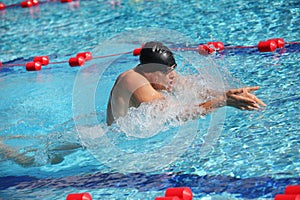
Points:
point(132, 79)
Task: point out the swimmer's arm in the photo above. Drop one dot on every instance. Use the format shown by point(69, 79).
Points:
point(240, 98)
point(213, 104)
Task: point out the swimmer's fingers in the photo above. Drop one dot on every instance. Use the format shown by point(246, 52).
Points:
point(247, 91)
point(249, 108)
point(242, 102)
point(257, 100)
point(235, 91)
point(250, 89)
point(260, 102)
point(243, 90)
point(242, 99)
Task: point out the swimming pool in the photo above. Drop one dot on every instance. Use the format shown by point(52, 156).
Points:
point(255, 155)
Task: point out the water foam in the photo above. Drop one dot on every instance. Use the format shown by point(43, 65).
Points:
point(177, 107)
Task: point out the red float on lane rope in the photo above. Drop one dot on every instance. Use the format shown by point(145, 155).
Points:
point(65, 1)
point(183, 193)
point(219, 46)
point(204, 49)
point(79, 196)
point(34, 2)
point(167, 198)
point(76, 61)
point(292, 192)
point(279, 42)
point(33, 66)
point(287, 197)
point(44, 60)
point(292, 189)
point(86, 55)
point(2, 6)
point(26, 4)
point(137, 51)
point(267, 46)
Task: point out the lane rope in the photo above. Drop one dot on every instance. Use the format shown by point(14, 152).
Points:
point(36, 64)
point(31, 3)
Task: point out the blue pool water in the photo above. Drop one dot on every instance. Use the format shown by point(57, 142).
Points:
point(45, 115)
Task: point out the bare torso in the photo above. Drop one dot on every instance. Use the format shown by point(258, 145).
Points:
point(126, 93)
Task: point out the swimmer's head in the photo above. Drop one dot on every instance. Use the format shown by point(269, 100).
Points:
point(158, 56)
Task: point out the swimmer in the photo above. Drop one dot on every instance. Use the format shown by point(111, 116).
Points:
point(56, 155)
point(7, 152)
point(155, 74)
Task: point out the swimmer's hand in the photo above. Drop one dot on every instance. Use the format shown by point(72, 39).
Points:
point(243, 99)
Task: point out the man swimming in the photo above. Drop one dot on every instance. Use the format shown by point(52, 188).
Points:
point(155, 74)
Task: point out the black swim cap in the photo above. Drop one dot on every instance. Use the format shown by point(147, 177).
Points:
point(156, 52)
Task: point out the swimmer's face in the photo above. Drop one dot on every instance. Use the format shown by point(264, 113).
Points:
point(164, 79)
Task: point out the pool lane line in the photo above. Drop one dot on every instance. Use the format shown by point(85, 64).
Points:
point(250, 188)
